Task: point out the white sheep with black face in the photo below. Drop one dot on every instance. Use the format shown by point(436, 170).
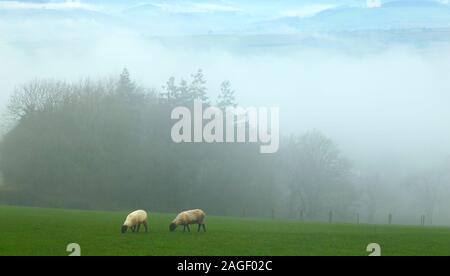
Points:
point(186, 218)
point(134, 221)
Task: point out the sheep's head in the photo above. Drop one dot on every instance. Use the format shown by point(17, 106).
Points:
point(124, 229)
point(172, 227)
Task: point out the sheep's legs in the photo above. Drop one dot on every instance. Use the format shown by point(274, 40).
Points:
point(145, 226)
point(138, 227)
point(133, 228)
point(200, 226)
point(186, 226)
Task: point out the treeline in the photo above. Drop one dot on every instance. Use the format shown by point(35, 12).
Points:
point(107, 145)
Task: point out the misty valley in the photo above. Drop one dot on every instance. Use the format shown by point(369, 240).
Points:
point(113, 145)
point(291, 127)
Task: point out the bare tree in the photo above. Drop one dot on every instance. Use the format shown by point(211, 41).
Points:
point(319, 175)
point(38, 95)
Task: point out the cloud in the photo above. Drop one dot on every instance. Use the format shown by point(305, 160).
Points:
point(17, 5)
point(373, 3)
point(306, 11)
point(196, 8)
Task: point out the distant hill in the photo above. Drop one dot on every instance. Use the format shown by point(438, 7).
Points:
point(403, 14)
point(400, 14)
point(233, 17)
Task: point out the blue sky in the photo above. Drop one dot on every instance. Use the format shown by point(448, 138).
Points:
point(264, 7)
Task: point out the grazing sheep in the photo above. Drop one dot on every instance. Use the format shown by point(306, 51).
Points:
point(134, 221)
point(189, 217)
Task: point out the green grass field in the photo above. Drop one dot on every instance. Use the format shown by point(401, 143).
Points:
point(35, 231)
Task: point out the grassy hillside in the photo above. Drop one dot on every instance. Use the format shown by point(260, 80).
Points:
point(35, 231)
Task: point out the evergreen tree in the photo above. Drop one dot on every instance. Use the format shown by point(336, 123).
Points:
point(171, 91)
point(197, 88)
point(125, 84)
point(226, 97)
